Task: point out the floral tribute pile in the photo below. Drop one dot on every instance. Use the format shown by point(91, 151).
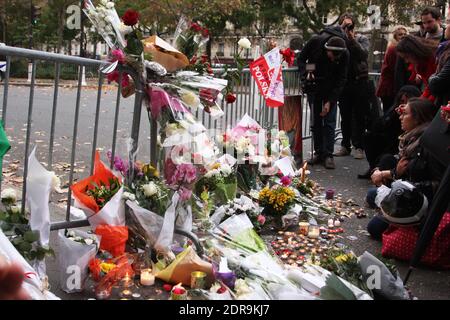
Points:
point(264, 228)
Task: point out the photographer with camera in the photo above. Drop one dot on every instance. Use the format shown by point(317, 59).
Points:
point(323, 69)
point(354, 102)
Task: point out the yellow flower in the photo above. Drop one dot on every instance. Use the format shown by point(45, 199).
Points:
point(107, 267)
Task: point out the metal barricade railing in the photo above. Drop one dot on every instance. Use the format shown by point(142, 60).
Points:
point(136, 134)
point(58, 60)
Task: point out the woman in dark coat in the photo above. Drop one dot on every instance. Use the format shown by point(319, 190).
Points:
point(382, 137)
point(439, 83)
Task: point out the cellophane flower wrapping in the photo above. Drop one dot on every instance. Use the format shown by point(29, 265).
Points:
point(109, 221)
point(179, 271)
point(239, 229)
point(32, 284)
point(39, 186)
point(73, 260)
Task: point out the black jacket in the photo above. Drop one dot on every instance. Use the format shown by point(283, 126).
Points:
point(330, 76)
point(358, 66)
point(439, 85)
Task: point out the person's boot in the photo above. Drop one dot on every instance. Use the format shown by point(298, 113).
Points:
point(329, 163)
point(317, 159)
point(342, 152)
point(359, 154)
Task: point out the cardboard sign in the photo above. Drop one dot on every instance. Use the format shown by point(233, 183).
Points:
point(268, 74)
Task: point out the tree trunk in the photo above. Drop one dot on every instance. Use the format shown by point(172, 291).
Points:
point(60, 30)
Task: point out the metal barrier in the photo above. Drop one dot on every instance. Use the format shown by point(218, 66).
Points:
point(58, 60)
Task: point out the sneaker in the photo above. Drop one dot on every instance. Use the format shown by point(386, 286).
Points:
point(329, 163)
point(315, 160)
point(359, 154)
point(342, 152)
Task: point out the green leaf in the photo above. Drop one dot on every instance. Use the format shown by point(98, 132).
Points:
point(31, 236)
point(25, 246)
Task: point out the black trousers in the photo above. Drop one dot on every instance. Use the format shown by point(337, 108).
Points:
point(376, 145)
point(387, 103)
point(355, 107)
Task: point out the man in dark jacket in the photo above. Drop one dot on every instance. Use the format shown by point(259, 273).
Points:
point(354, 102)
point(324, 62)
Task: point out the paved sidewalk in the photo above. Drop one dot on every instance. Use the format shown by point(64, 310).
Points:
point(90, 83)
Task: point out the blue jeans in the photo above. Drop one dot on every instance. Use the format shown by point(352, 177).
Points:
point(323, 127)
point(377, 226)
point(370, 197)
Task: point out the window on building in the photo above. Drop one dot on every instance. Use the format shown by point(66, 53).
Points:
point(221, 50)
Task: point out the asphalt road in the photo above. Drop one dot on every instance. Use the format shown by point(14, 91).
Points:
point(424, 283)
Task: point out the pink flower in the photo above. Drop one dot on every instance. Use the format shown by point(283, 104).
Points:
point(117, 55)
point(185, 194)
point(185, 173)
point(261, 219)
point(286, 181)
point(114, 77)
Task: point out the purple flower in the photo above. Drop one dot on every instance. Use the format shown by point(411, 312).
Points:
point(118, 164)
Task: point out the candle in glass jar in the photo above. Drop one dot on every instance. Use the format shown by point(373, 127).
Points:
point(147, 278)
point(126, 293)
point(313, 232)
point(303, 228)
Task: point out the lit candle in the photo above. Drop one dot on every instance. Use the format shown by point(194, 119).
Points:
point(126, 293)
point(147, 278)
point(313, 232)
point(178, 293)
point(303, 228)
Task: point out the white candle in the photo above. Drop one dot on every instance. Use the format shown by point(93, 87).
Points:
point(147, 278)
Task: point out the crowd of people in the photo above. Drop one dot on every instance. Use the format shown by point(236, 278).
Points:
point(414, 84)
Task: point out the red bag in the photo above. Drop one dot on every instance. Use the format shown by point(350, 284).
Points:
point(114, 238)
point(400, 243)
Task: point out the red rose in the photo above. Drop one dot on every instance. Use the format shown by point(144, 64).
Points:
point(193, 60)
point(288, 56)
point(205, 58)
point(205, 33)
point(167, 287)
point(230, 98)
point(131, 17)
point(196, 27)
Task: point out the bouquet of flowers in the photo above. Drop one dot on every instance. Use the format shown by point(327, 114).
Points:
point(100, 196)
point(190, 37)
point(16, 227)
point(221, 180)
point(242, 205)
point(76, 249)
point(276, 200)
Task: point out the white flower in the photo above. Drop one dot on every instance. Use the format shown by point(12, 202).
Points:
point(124, 29)
point(244, 43)
point(9, 195)
point(56, 183)
point(128, 196)
point(190, 99)
point(71, 234)
point(88, 241)
point(150, 189)
point(15, 209)
point(212, 173)
point(171, 129)
point(242, 287)
point(104, 2)
point(110, 5)
point(225, 169)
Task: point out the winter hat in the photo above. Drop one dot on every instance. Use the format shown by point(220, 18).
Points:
point(335, 44)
